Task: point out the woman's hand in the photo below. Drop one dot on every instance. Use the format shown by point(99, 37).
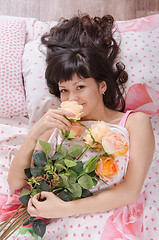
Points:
point(54, 118)
point(51, 206)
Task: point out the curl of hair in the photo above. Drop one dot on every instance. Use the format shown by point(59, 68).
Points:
point(77, 40)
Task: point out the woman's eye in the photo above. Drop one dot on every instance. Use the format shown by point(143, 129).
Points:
point(80, 87)
point(63, 90)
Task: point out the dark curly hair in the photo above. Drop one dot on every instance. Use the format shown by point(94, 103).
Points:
point(86, 46)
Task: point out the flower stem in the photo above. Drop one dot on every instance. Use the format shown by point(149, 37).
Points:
point(7, 221)
point(16, 228)
point(15, 225)
point(83, 153)
point(18, 217)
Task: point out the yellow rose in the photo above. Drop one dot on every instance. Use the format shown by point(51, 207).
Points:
point(98, 131)
point(113, 143)
point(106, 167)
point(74, 107)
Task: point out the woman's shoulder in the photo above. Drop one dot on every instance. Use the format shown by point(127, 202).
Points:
point(137, 120)
point(138, 116)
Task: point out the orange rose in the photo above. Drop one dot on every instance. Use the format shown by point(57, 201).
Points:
point(106, 167)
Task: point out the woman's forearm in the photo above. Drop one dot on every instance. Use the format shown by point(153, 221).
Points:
point(113, 198)
point(21, 161)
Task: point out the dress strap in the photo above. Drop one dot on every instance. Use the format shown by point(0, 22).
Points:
point(124, 118)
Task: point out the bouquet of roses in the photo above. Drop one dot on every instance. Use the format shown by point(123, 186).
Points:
point(64, 173)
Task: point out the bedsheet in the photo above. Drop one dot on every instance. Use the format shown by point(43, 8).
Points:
point(133, 222)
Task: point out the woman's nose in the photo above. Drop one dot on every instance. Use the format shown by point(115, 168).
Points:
point(72, 97)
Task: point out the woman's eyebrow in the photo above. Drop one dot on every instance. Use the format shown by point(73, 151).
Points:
point(60, 86)
point(79, 82)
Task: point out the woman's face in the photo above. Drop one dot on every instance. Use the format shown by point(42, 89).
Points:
point(86, 92)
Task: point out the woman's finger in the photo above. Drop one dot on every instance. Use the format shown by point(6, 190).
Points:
point(31, 209)
point(45, 195)
point(59, 115)
point(64, 112)
point(55, 118)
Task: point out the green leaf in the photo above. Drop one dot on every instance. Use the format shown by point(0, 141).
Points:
point(76, 191)
point(56, 156)
point(86, 181)
point(86, 193)
point(65, 195)
point(69, 163)
point(24, 199)
point(43, 185)
point(75, 150)
point(39, 158)
point(59, 167)
point(78, 168)
point(23, 231)
point(46, 147)
point(72, 176)
point(29, 221)
point(36, 171)
point(90, 166)
point(62, 150)
point(39, 227)
point(27, 172)
point(25, 192)
point(65, 180)
point(34, 192)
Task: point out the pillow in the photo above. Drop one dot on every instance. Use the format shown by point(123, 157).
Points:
point(35, 28)
point(38, 98)
point(12, 38)
point(140, 50)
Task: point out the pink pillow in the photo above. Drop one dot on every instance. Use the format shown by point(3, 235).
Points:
point(12, 39)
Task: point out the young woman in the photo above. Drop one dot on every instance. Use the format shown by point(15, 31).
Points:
point(82, 67)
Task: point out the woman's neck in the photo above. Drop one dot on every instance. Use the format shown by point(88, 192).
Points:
point(105, 114)
point(98, 114)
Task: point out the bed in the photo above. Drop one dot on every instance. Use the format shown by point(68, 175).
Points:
point(24, 98)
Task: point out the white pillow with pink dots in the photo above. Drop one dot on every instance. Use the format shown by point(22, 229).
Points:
point(38, 98)
point(140, 54)
point(12, 39)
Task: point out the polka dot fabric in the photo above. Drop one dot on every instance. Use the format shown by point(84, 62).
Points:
point(12, 97)
point(38, 98)
point(140, 50)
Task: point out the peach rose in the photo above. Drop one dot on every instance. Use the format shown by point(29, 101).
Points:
point(74, 107)
point(76, 130)
point(98, 131)
point(113, 143)
point(106, 167)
